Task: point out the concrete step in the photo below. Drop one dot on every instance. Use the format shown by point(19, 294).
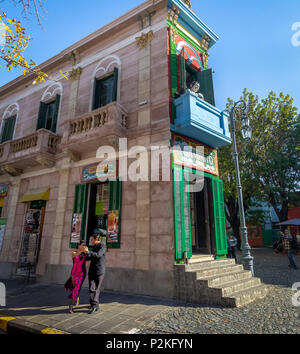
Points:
point(203, 273)
point(223, 279)
point(245, 297)
point(226, 289)
point(209, 264)
point(200, 258)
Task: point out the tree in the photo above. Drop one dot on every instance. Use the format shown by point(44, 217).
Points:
point(14, 40)
point(269, 163)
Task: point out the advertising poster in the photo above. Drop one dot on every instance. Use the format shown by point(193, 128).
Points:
point(2, 230)
point(76, 227)
point(113, 227)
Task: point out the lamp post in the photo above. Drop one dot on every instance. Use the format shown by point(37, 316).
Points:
point(247, 259)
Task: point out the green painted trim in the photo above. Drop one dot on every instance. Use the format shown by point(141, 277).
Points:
point(175, 216)
point(186, 38)
point(182, 214)
point(190, 224)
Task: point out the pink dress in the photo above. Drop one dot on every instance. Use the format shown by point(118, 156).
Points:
point(78, 274)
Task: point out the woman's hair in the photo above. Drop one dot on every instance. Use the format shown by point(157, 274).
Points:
point(95, 237)
point(80, 243)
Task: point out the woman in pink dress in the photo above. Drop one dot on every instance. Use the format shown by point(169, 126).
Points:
point(78, 274)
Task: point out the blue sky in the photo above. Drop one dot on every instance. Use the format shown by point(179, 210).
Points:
point(254, 48)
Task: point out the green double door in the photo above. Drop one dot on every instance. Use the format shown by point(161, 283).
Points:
point(199, 217)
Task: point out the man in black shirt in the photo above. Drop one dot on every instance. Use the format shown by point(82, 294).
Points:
point(96, 271)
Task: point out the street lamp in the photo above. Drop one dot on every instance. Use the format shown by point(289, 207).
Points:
point(247, 259)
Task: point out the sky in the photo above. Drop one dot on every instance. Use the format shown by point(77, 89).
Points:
point(254, 49)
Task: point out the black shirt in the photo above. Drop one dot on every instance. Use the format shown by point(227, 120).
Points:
point(97, 258)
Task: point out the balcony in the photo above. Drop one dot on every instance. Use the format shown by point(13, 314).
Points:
point(32, 150)
point(201, 121)
point(93, 129)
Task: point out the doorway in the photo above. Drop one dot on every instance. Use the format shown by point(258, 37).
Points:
point(202, 220)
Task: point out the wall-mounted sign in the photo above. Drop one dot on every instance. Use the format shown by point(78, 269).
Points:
point(113, 227)
point(191, 159)
point(76, 227)
point(102, 171)
point(3, 190)
point(2, 230)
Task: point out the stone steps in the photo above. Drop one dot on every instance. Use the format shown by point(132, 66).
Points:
point(223, 279)
point(217, 282)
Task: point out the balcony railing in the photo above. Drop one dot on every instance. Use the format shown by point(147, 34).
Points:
point(30, 150)
point(107, 121)
point(200, 120)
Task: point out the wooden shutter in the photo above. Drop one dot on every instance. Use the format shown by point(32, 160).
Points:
point(182, 218)
point(41, 122)
point(219, 216)
point(205, 79)
point(115, 203)
point(56, 109)
point(182, 72)
point(115, 84)
point(96, 95)
point(80, 207)
point(8, 129)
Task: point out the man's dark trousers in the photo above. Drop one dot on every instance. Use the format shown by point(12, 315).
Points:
point(95, 282)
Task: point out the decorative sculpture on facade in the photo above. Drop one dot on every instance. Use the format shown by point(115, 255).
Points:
point(144, 40)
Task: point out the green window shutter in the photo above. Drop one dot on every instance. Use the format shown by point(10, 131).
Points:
point(8, 129)
point(115, 203)
point(219, 214)
point(205, 79)
point(182, 223)
point(115, 84)
point(80, 207)
point(182, 72)
point(56, 109)
point(96, 95)
point(41, 122)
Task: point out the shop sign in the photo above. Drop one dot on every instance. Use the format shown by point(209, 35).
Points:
point(3, 190)
point(2, 230)
point(193, 160)
point(104, 172)
point(76, 228)
point(113, 227)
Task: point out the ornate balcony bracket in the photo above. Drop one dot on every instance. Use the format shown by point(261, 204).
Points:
point(11, 170)
point(45, 161)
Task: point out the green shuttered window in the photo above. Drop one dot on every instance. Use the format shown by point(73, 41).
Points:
point(8, 129)
point(106, 90)
point(48, 114)
point(205, 79)
point(80, 207)
point(219, 213)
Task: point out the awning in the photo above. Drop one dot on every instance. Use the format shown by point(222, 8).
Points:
point(35, 194)
point(1, 202)
point(293, 222)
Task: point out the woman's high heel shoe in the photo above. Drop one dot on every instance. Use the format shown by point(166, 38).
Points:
point(71, 309)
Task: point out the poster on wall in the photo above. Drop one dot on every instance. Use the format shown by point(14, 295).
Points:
point(2, 230)
point(113, 227)
point(76, 228)
point(3, 190)
point(104, 172)
point(191, 159)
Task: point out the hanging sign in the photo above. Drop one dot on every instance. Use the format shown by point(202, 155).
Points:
point(3, 190)
point(193, 160)
point(113, 227)
point(76, 228)
point(2, 230)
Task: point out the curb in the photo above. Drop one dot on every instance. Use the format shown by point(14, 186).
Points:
point(13, 325)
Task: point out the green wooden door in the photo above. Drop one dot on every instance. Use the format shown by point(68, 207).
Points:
point(80, 207)
point(219, 216)
point(182, 227)
point(115, 204)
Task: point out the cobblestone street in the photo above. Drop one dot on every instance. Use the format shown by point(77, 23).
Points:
point(273, 315)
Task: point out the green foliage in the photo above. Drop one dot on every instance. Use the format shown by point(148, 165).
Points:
point(269, 163)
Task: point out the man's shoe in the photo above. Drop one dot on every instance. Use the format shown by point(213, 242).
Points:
point(93, 310)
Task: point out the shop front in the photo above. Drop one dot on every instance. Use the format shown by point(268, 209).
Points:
point(97, 209)
point(200, 227)
point(35, 201)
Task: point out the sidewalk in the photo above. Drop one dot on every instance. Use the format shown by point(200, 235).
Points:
point(37, 307)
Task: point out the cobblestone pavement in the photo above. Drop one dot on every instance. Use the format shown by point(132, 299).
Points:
point(274, 314)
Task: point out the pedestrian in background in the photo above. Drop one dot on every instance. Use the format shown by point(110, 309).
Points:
point(288, 247)
point(232, 247)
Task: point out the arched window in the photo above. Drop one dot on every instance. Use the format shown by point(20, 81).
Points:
point(49, 108)
point(105, 82)
point(8, 123)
